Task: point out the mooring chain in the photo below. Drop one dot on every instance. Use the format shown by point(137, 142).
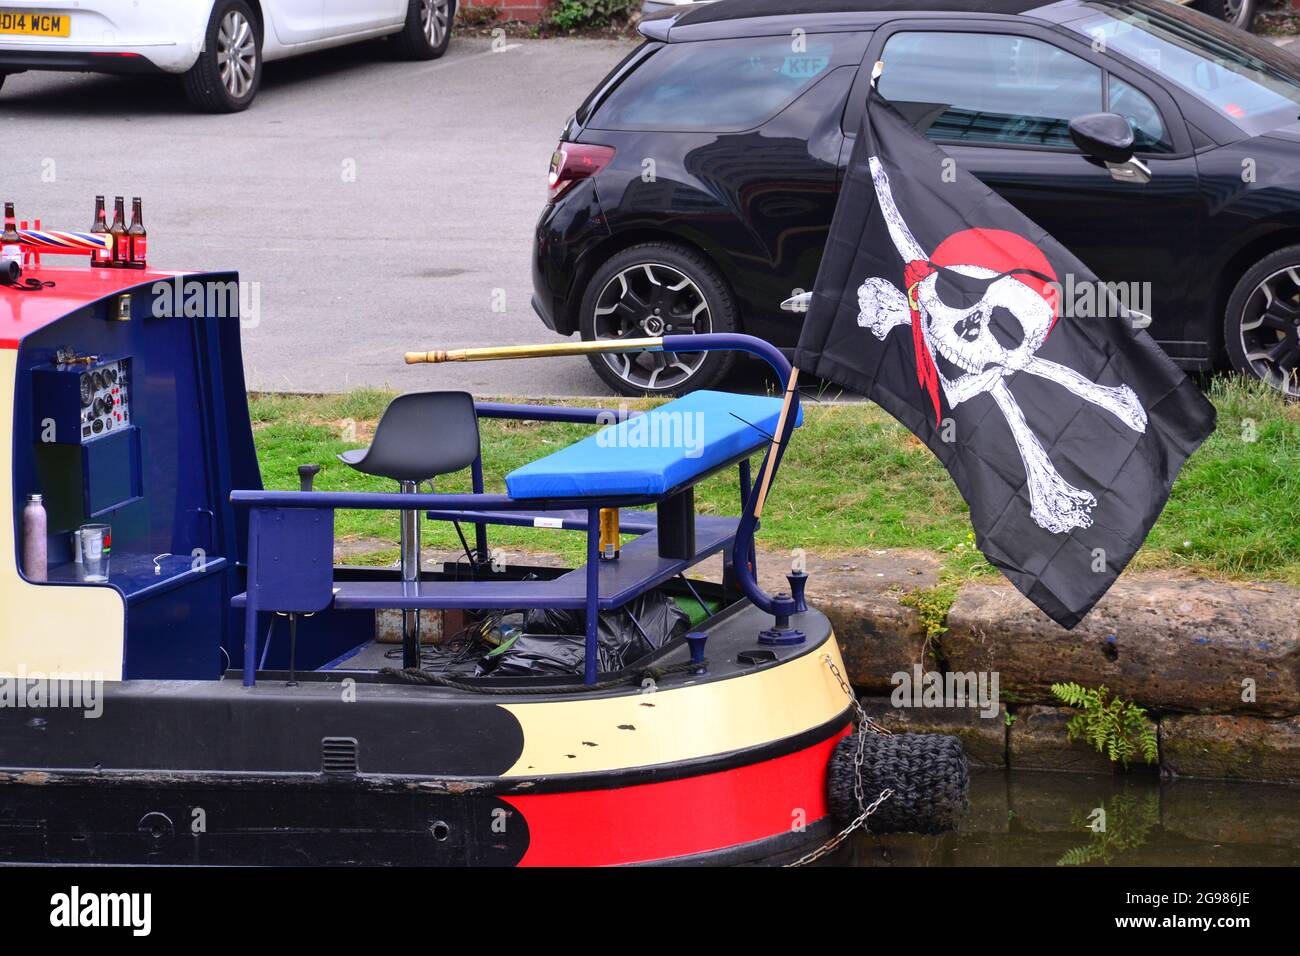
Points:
point(865, 726)
point(863, 719)
point(844, 834)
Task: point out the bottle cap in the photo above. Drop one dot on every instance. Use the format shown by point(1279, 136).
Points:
point(35, 499)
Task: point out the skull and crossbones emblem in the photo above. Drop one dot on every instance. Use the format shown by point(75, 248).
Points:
point(980, 307)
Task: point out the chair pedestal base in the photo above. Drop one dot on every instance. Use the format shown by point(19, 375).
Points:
point(410, 547)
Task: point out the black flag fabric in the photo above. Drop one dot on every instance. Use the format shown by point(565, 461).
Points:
point(964, 320)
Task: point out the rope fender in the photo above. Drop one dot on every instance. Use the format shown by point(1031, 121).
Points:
point(927, 773)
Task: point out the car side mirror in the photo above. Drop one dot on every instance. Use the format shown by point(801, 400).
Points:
point(1105, 136)
point(1109, 137)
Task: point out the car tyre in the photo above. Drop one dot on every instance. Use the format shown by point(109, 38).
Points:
point(427, 31)
point(1236, 13)
point(1261, 326)
point(228, 72)
point(1239, 13)
point(654, 289)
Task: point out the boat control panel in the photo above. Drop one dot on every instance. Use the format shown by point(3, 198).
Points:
point(85, 397)
point(105, 399)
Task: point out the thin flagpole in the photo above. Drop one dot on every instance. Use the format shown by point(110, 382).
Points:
point(770, 466)
point(500, 352)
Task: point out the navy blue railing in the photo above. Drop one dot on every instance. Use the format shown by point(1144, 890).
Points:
point(742, 548)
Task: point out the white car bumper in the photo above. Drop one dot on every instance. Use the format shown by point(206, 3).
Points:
point(109, 36)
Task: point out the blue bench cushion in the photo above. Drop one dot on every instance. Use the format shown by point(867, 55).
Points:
point(649, 454)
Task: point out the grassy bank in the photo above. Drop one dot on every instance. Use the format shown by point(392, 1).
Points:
point(854, 479)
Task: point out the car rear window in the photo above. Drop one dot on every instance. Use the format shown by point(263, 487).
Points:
point(615, 76)
point(724, 85)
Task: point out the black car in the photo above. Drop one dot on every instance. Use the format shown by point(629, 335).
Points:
point(693, 189)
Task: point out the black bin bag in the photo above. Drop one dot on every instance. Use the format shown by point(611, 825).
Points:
point(553, 641)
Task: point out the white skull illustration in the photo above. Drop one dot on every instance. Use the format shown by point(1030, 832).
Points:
point(1005, 327)
point(983, 304)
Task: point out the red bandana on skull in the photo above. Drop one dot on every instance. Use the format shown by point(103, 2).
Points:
point(995, 249)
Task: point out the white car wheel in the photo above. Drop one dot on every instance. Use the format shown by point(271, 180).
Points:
point(228, 72)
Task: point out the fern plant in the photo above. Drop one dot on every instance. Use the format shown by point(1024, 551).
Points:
point(1116, 727)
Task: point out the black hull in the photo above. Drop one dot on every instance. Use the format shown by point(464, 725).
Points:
point(352, 768)
point(329, 826)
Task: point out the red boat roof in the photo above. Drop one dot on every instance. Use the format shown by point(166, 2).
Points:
point(22, 313)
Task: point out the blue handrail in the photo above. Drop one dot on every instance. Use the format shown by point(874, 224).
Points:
point(552, 413)
point(433, 501)
point(743, 545)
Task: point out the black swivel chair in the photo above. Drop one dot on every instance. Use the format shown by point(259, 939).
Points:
point(420, 436)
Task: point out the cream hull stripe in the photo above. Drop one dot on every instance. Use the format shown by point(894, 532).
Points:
point(667, 727)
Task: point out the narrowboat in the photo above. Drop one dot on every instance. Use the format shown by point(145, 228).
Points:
point(188, 676)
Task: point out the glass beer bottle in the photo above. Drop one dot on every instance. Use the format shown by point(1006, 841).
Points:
point(138, 236)
point(11, 249)
point(101, 257)
point(121, 241)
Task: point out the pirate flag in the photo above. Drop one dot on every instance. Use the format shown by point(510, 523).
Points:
point(943, 304)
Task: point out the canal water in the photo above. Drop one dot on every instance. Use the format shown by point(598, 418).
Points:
point(1024, 818)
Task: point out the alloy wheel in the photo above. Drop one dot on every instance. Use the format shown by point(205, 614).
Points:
point(1270, 330)
point(652, 299)
point(236, 54)
point(1232, 11)
point(433, 20)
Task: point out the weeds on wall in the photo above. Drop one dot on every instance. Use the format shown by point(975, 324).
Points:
point(1116, 727)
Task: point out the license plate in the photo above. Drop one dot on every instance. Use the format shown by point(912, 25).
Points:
point(35, 24)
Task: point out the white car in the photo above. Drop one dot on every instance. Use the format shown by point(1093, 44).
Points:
point(216, 46)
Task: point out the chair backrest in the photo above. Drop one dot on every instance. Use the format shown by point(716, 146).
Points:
point(423, 434)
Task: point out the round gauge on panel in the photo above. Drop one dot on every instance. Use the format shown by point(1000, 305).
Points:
point(87, 391)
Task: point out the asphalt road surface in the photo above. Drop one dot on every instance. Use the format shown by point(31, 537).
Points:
point(374, 206)
point(379, 206)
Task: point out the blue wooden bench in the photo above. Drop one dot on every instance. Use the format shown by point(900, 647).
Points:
point(671, 447)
